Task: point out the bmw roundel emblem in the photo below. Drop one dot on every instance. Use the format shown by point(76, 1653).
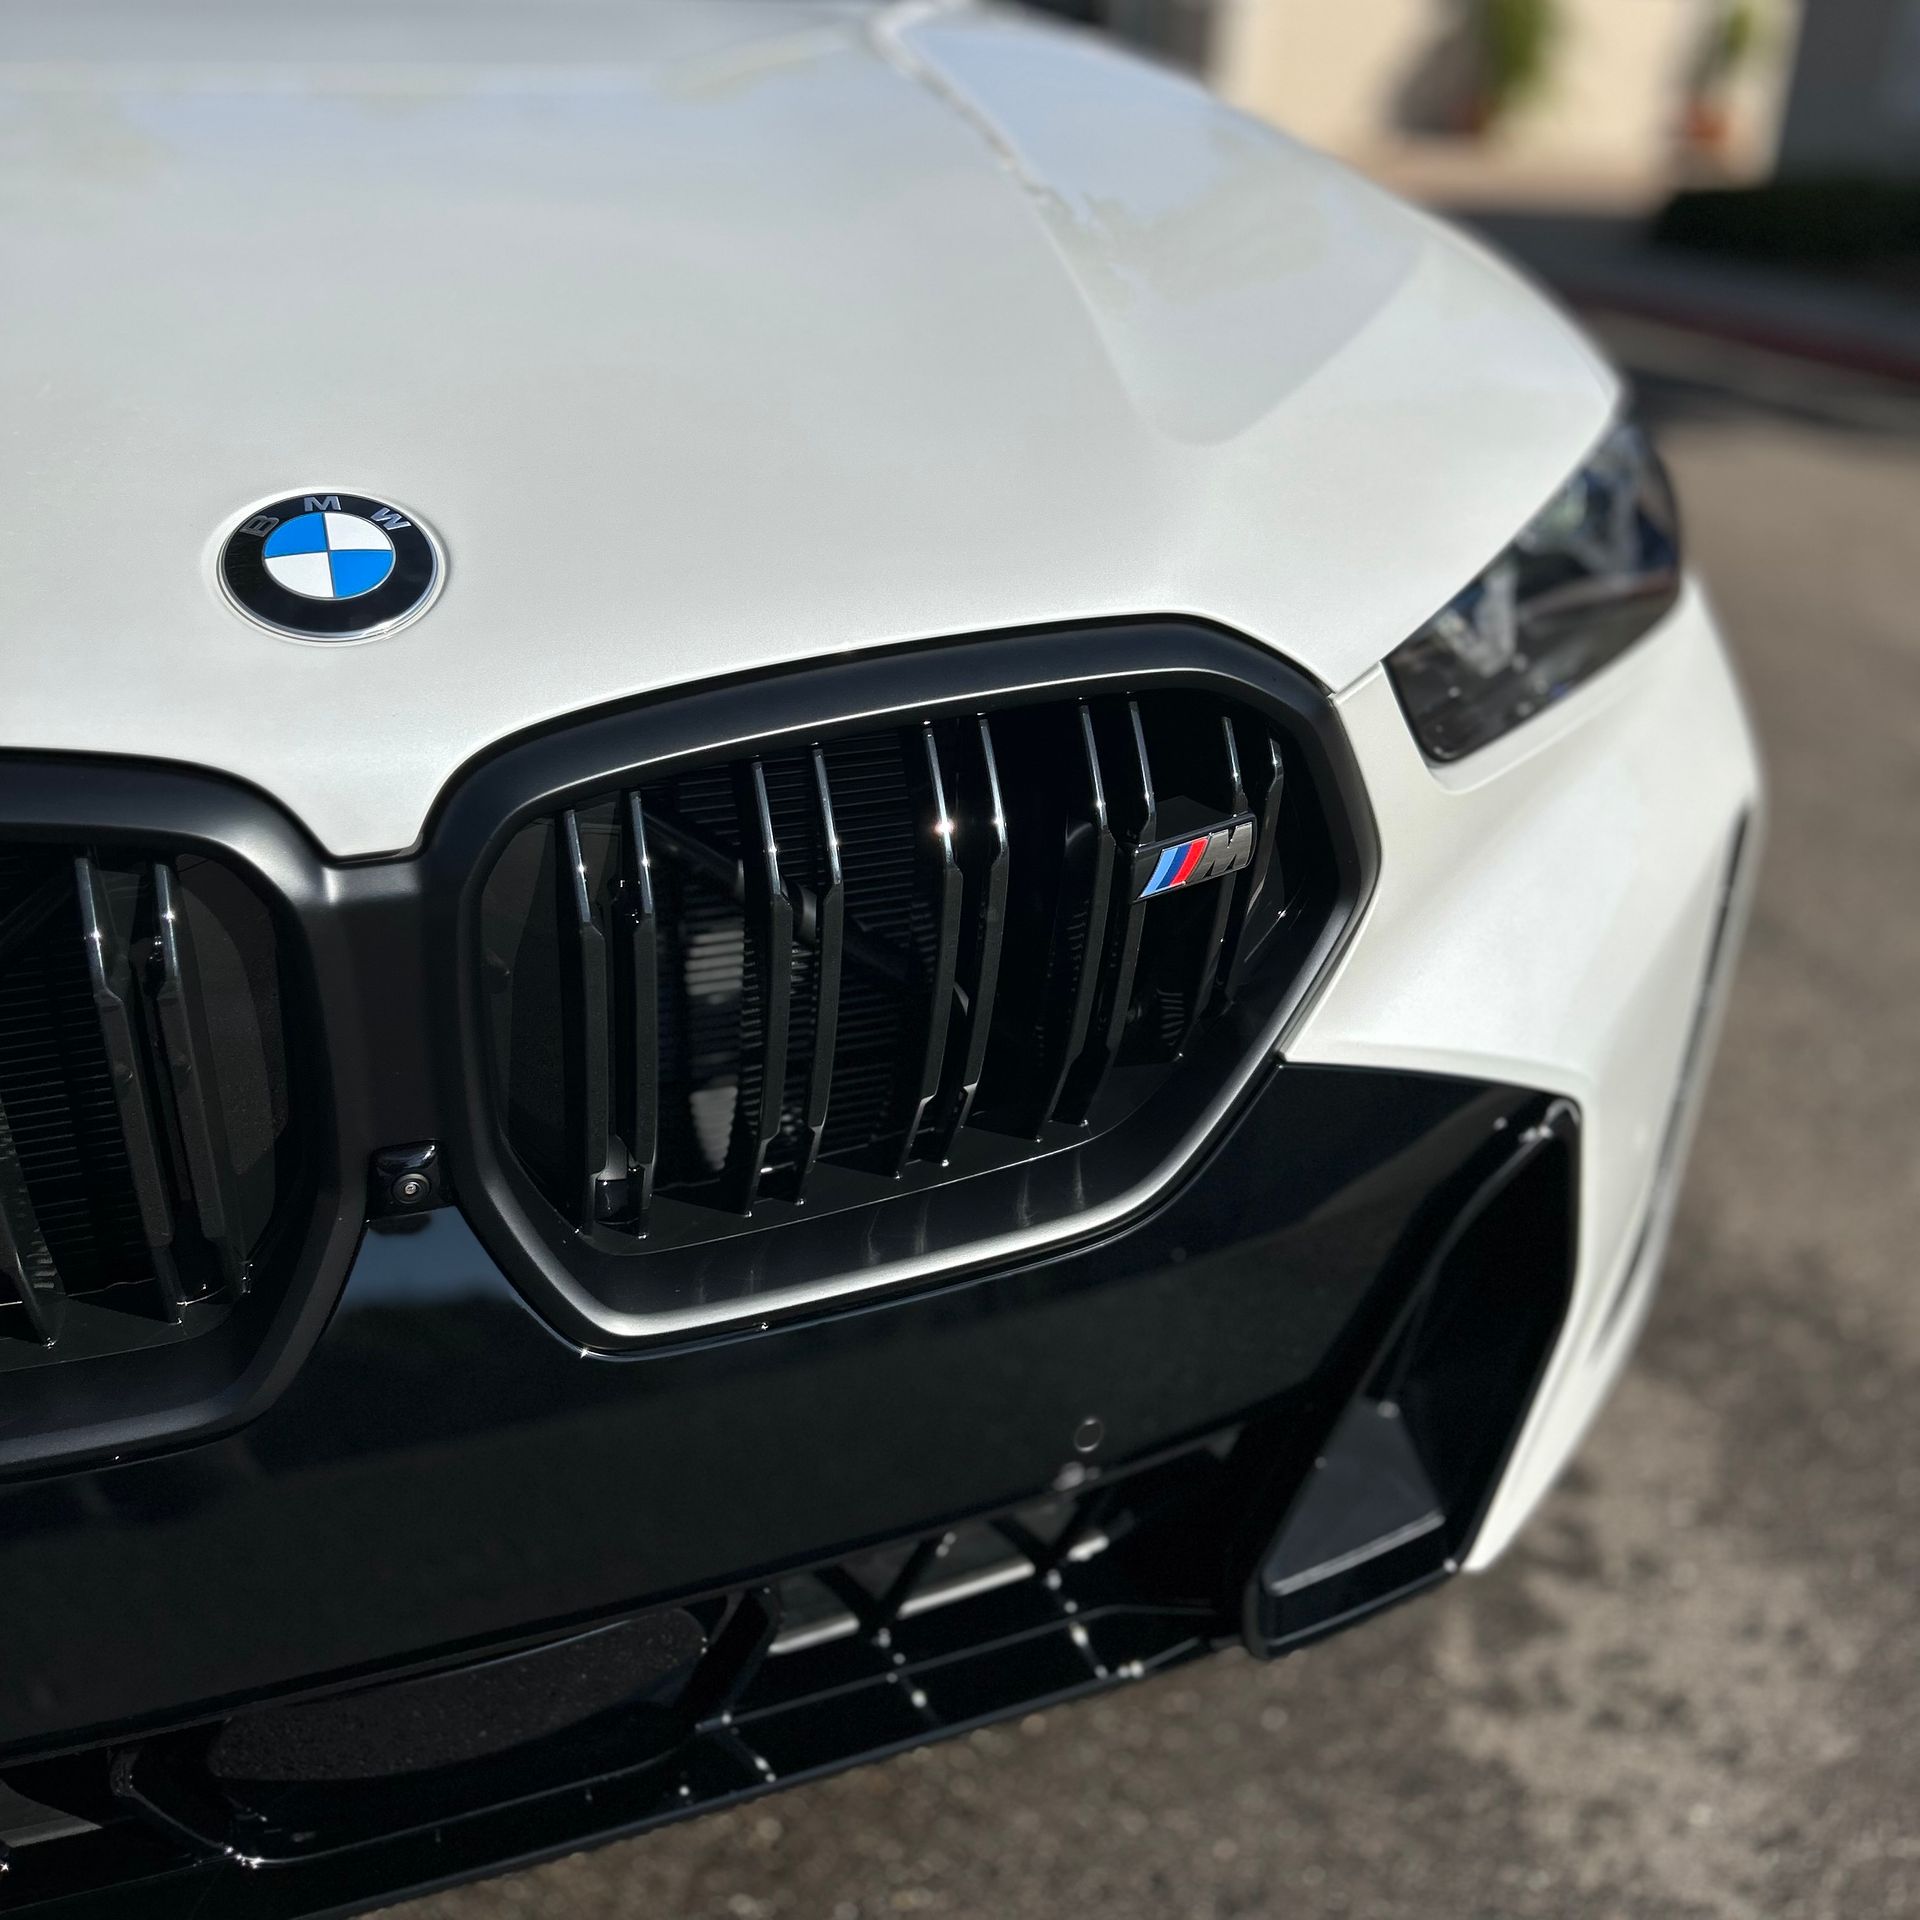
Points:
point(331, 566)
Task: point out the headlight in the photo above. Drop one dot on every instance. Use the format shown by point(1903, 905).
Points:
point(1592, 573)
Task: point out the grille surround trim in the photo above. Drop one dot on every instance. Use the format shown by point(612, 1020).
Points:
point(587, 756)
point(381, 968)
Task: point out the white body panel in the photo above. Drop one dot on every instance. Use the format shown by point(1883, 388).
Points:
point(711, 338)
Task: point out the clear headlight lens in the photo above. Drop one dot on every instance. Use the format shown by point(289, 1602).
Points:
point(1597, 568)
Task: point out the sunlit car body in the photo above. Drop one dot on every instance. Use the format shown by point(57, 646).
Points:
point(959, 563)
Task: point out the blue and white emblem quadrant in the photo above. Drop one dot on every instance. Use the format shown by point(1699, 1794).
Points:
point(328, 556)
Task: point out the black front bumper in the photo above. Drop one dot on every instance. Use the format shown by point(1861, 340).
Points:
point(447, 1482)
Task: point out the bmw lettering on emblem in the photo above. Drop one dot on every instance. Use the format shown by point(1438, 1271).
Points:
point(331, 566)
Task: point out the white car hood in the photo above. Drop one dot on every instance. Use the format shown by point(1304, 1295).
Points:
point(708, 338)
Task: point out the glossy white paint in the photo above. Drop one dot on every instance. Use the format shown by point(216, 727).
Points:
point(1543, 915)
point(708, 336)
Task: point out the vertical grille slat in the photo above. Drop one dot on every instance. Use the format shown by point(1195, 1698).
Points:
point(1086, 884)
point(586, 1056)
point(188, 1055)
point(769, 955)
point(110, 975)
point(637, 967)
point(1231, 796)
point(981, 848)
point(827, 930)
point(1266, 769)
point(873, 954)
point(937, 943)
point(1136, 817)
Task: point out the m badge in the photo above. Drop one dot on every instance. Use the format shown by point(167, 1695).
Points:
point(1211, 855)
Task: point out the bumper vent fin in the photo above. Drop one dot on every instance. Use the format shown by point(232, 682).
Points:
point(797, 976)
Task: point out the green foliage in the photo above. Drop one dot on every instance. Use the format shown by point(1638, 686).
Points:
point(1516, 42)
point(1739, 33)
point(1732, 37)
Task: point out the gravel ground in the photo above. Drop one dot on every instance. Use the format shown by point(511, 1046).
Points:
point(1690, 1690)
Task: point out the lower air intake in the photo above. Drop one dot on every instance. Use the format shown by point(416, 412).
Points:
point(876, 959)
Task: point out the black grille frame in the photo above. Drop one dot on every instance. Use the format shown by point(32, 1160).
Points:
point(611, 1292)
point(151, 1135)
point(221, 1336)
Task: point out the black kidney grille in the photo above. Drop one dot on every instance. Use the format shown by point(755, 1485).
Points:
point(143, 1096)
point(869, 951)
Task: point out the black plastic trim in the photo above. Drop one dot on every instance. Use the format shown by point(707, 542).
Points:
point(1222, 1334)
point(1485, 1425)
point(391, 1054)
point(591, 1293)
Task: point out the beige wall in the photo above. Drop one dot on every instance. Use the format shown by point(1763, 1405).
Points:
point(1328, 73)
point(1334, 71)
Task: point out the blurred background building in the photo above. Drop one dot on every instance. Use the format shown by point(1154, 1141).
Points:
point(1607, 102)
point(1749, 169)
point(1563, 99)
point(1854, 105)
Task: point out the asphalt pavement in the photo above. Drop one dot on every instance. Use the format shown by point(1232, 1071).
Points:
point(1691, 1689)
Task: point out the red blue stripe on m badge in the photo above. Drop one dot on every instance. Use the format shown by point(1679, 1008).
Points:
point(1206, 856)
